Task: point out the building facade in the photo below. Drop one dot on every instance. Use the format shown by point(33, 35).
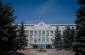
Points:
point(41, 35)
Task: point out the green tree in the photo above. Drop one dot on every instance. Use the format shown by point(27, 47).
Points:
point(73, 33)
point(11, 39)
point(79, 41)
point(22, 37)
point(68, 36)
point(7, 30)
point(57, 39)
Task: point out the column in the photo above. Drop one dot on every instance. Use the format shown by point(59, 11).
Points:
point(53, 33)
point(41, 36)
point(33, 36)
point(49, 36)
point(37, 36)
point(45, 36)
point(28, 38)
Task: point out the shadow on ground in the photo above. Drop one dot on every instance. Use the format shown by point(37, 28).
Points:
point(17, 53)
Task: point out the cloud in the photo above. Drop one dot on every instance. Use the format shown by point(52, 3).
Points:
point(41, 9)
point(30, 22)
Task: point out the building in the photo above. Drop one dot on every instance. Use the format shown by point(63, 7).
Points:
point(41, 35)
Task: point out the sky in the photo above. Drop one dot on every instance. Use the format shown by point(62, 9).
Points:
point(48, 11)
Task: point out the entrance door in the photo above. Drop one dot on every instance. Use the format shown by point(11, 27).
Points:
point(48, 46)
point(41, 46)
point(35, 46)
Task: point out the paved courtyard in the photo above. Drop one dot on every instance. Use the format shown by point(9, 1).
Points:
point(48, 52)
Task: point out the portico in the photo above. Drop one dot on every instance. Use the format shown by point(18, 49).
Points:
point(41, 35)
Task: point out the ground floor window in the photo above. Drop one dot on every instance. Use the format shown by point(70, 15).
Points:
point(45, 46)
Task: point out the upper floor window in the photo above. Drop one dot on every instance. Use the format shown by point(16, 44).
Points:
point(47, 39)
point(43, 38)
point(49, 27)
point(43, 32)
point(35, 32)
point(26, 35)
point(39, 39)
point(51, 39)
point(26, 32)
point(47, 32)
point(39, 32)
point(51, 32)
point(31, 33)
point(33, 27)
point(35, 40)
point(31, 39)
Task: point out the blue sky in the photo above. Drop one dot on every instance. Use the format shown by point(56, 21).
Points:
point(48, 11)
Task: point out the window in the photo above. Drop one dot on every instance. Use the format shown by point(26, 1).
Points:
point(31, 33)
point(31, 39)
point(26, 35)
point(54, 32)
point(43, 32)
point(47, 39)
point(43, 39)
point(49, 27)
point(39, 39)
point(51, 32)
point(35, 40)
point(35, 32)
point(47, 32)
point(51, 39)
point(26, 32)
point(33, 27)
point(39, 32)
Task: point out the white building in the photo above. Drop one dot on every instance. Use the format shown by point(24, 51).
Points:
point(41, 34)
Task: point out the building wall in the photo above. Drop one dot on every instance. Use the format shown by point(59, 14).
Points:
point(42, 33)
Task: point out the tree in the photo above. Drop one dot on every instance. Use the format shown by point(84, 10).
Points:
point(57, 39)
point(68, 36)
point(10, 40)
point(22, 37)
point(79, 41)
point(7, 30)
point(73, 32)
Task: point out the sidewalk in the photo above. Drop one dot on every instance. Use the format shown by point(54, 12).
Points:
point(48, 52)
point(45, 53)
